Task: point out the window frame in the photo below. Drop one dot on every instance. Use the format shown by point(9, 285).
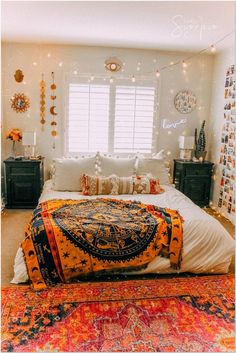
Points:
point(85, 79)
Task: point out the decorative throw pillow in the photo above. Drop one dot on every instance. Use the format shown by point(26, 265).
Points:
point(99, 185)
point(126, 185)
point(147, 185)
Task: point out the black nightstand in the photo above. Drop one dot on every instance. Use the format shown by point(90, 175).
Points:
point(194, 180)
point(24, 180)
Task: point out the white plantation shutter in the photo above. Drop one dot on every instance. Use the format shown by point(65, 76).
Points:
point(88, 121)
point(111, 118)
point(134, 119)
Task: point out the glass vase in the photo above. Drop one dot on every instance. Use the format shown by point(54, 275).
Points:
point(13, 151)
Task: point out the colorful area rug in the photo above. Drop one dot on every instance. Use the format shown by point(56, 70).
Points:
point(194, 314)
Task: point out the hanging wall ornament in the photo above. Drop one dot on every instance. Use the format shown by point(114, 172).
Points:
point(20, 103)
point(42, 102)
point(52, 110)
point(19, 76)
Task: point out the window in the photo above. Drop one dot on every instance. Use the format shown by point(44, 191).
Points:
point(111, 118)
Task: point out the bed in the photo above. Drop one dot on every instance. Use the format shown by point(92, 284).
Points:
point(207, 246)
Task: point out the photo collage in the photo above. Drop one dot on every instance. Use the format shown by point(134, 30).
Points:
point(227, 151)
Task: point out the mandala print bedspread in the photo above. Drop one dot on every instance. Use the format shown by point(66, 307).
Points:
point(69, 238)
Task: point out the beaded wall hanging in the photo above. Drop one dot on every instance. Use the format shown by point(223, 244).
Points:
point(42, 102)
point(52, 109)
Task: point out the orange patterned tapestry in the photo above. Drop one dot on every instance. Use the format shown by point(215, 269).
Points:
point(67, 239)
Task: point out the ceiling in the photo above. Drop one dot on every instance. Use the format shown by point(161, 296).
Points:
point(162, 25)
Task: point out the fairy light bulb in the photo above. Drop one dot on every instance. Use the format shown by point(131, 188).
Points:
point(75, 72)
point(111, 80)
point(92, 77)
point(34, 63)
point(213, 48)
point(158, 73)
point(49, 55)
point(184, 64)
point(60, 64)
point(138, 68)
point(133, 79)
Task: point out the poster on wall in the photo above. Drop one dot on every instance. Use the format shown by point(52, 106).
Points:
point(227, 151)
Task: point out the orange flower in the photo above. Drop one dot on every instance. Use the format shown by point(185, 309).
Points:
point(14, 135)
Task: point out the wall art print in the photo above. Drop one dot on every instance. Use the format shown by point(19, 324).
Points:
point(227, 151)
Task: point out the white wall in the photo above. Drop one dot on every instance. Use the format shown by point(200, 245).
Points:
point(222, 61)
point(91, 60)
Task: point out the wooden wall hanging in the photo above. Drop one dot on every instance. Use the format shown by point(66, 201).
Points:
point(52, 109)
point(19, 76)
point(42, 102)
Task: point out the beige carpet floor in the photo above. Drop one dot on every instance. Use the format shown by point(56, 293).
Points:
point(13, 225)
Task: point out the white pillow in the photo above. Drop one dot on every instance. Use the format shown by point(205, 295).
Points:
point(69, 170)
point(155, 167)
point(119, 166)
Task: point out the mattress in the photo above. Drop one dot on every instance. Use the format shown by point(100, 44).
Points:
point(207, 246)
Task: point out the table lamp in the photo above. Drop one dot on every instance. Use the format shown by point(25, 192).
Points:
point(29, 141)
point(186, 145)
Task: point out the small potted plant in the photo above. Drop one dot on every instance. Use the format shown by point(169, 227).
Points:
point(200, 143)
point(16, 136)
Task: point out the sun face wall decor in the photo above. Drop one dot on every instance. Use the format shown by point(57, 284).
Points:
point(185, 101)
point(20, 103)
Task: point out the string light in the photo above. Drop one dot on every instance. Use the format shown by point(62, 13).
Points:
point(75, 72)
point(213, 48)
point(34, 63)
point(49, 55)
point(92, 77)
point(60, 64)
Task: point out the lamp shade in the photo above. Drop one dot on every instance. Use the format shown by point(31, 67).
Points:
point(29, 138)
point(186, 142)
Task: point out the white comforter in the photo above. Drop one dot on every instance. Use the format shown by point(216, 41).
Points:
point(207, 246)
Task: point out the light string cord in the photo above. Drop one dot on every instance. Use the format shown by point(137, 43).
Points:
point(198, 53)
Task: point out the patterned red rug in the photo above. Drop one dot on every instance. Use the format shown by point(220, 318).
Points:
point(194, 314)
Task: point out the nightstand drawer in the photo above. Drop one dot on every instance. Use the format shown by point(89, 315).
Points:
point(194, 170)
point(22, 170)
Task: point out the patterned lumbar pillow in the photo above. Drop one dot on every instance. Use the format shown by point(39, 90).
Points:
point(147, 185)
point(126, 185)
point(99, 185)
